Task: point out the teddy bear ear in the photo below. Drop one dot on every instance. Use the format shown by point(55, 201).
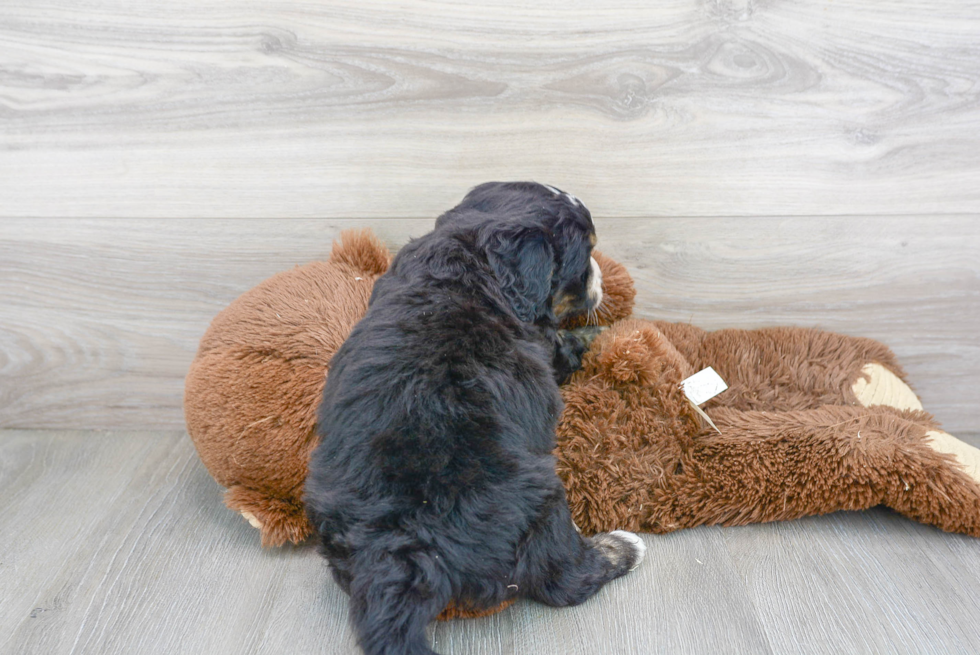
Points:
point(636, 352)
point(618, 294)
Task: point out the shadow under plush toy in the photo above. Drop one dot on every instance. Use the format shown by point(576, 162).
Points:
point(812, 422)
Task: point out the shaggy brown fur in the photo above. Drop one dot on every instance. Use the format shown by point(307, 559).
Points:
point(633, 454)
point(251, 395)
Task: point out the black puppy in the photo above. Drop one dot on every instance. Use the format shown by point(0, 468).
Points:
point(434, 479)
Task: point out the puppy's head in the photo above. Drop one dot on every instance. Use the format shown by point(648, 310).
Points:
point(538, 241)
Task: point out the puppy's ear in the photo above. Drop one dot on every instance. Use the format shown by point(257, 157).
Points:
point(522, 261)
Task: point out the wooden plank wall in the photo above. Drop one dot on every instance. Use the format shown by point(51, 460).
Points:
point(753, 163)
point(99, 319)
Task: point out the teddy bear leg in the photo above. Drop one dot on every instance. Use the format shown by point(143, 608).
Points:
point(769, 466)
point(926, 473)
point(879, 386)
point(940, 482)
point(252, 519)
point(277, 519)
point(775, 466)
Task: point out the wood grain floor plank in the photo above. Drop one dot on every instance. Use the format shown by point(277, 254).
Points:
point(686, 597)
point(160, 565)
point(860, 583)
point(42, 527)
point(118, 543)
point(100, 319)
point(347, 108)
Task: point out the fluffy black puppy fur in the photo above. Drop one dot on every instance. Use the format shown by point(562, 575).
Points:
point(434, 479)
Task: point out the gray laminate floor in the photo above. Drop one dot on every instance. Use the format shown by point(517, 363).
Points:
point(118, 543)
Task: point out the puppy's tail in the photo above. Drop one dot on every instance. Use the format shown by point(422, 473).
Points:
point(394, 596)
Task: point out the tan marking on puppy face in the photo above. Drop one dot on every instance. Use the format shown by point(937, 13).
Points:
point(563, 304)
point(593, 239)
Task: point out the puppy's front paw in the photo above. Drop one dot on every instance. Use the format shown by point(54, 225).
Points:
point(588, 333)
point(568, 355)
point(624, 550)
point(570, 347)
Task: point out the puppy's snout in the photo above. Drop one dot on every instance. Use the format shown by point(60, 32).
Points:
point(595, 284)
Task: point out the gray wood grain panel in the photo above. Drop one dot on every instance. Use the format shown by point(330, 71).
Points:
point(855, 583)
point(686, 597)
point(346, 108)
point(118, 543)
point(99, 319)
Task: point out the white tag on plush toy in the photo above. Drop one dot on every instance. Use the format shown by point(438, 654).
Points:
point(702, 387)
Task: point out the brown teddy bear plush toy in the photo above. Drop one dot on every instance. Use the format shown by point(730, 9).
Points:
point(811, 422)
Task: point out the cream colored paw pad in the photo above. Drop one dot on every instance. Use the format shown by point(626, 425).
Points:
point(252, 520)
point(884, 388)
point(966, 455)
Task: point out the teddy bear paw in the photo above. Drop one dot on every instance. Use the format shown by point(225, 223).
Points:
point(879, 386)
point(252, 520)
point(966, 455)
